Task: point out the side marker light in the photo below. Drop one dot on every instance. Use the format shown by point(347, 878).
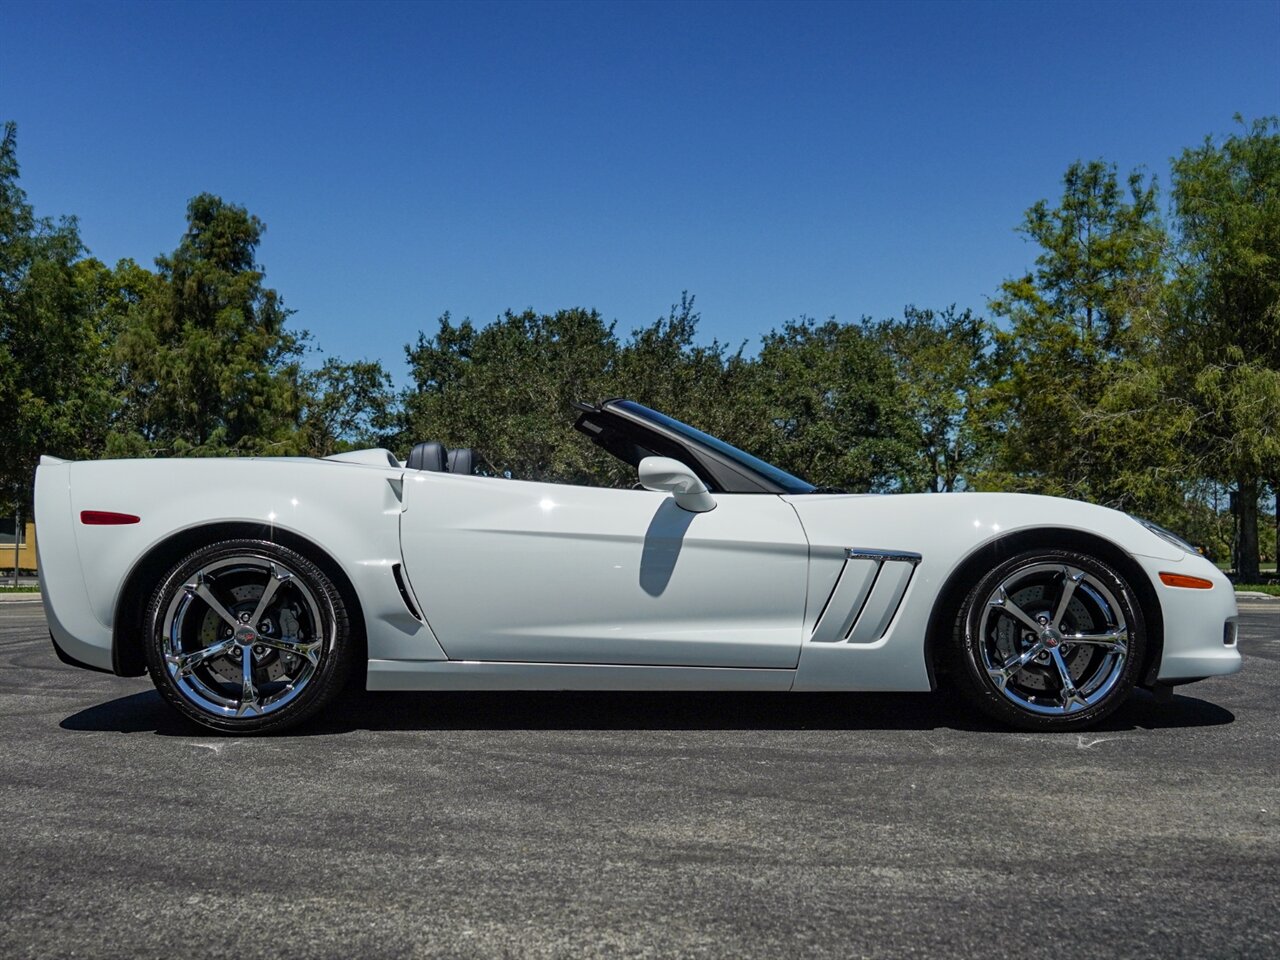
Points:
point(106, 518)
point(1182, 580)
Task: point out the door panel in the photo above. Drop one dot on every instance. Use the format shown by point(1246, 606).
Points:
point(550, 573)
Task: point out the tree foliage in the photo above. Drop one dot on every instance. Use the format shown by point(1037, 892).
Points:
point(346, 406)
point(831, 409)
point(1224, 336)
point(942, 361)
point(208, 364)
point(507, 390)
point(665, 365)
point(55, 385)
point(1071, 389)
point(820, 400)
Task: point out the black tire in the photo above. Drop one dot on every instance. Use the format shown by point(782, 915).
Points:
point(992, 639)
point(301, 649)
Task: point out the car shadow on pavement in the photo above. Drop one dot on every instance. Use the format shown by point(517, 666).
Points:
point(146, 712)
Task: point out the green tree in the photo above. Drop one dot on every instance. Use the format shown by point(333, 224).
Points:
point(1224, 334)
point(55, 381)
point(826, 406)
point(664, 367)
point(1070, 394)
point(507, 389)
point(942, 364)
point(346, 406)
point(209, 366)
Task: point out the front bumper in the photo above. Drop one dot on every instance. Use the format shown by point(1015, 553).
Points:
point(1195, 622)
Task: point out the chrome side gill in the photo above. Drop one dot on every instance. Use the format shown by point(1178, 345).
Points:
point(902, 556)
point(866, 596)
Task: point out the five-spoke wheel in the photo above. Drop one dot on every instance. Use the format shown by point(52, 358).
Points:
point(247, 635)
point(1049, 639)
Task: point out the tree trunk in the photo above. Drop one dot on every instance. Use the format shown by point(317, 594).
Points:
point(1247, 507)
point(1275, 550)
point(17, 540)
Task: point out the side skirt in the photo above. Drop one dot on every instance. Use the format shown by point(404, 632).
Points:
point(493, 675)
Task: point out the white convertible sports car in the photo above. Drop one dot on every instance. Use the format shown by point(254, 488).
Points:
point(251, 589)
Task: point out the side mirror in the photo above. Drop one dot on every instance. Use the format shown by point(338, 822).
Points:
point(671, 476)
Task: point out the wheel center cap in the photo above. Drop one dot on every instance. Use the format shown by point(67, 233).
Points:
point(246, 635)
point(1050, 637)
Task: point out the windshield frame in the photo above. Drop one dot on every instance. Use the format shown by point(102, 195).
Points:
point(723, 466)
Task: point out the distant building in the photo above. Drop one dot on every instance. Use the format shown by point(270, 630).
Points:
point(26, 546)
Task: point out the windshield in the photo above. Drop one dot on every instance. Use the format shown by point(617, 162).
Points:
point(789, 483)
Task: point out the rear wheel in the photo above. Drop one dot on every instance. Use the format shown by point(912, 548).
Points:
point(247, 636)
point(1049, 640)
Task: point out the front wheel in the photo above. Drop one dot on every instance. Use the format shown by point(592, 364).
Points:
point(1049, 640)
point(247, 636)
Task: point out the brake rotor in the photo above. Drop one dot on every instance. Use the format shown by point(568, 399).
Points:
point(271, 664)
point(1012, 638)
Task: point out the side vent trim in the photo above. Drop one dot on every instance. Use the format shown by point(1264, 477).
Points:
point(883, 556)
point(852, 589)
point(886, 596)
point(866, 597)
point(404, 591)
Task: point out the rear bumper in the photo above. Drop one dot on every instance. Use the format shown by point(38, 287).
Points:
point(78, 636)
point(88, 643)
point(70, 660)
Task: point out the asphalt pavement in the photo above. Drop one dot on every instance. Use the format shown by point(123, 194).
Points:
point(636, 825)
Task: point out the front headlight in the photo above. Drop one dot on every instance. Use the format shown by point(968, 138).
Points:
point(1168, 536)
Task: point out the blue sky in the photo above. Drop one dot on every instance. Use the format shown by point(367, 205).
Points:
point(774, 160)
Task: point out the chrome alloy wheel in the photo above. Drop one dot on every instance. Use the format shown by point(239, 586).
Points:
point(1053, 639)
point(243, 636)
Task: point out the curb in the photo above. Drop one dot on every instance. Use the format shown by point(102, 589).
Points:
point(1254, 595)
point(33, 597)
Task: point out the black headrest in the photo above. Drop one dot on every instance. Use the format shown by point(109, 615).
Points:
point(427, 456)
point(462, 460)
